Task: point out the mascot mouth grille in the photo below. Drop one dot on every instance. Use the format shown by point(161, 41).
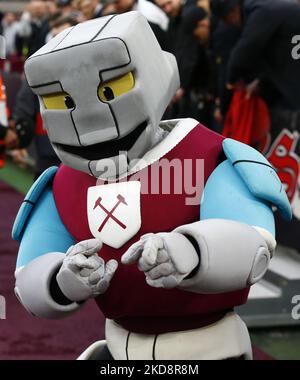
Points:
point(105, 149)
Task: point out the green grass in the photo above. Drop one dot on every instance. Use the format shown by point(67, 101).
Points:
point(16, 177)
point(280, 343)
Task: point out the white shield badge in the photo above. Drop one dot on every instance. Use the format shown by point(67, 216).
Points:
point(114, 212)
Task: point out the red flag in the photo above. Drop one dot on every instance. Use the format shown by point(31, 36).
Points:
point(247, 120)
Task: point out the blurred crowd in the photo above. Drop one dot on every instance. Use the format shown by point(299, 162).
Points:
point(222, 47)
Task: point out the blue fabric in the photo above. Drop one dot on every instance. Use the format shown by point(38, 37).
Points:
point(258, 175)
point(30, 200)
point(226, 196)
point(44, 232)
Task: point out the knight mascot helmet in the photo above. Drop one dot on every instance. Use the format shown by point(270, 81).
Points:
point(108, 83)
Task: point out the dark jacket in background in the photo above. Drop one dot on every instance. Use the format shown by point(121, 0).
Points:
point(224, 39)
point(265, 48)
point(161, 36)
point(184, 46)
point(1, 27)
point(27, 108)
point(35, 41)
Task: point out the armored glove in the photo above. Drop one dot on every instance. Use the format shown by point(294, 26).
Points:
point(83, 273)
point(165, 258)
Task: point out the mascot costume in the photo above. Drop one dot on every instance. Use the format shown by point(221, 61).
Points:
point(165, 268)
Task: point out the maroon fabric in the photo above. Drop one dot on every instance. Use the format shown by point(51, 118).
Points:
point(15, 64)
point(129, 300)
point(23, 336)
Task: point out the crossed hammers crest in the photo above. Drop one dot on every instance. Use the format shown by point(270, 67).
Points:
point(109, 214)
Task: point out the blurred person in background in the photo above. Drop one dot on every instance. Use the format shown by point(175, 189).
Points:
point(265, 62)
point(1, 18)
point(62, 23)
point(186, 48)
point(263, 55)
point(171, 7)
point(89, 9)
point(223, 39)
point(51, 7)
point(10, 27)
point(156, 17)
point(202, 88)
point(27, 111)
point(8, 138)
point(193, 58)
point(67, 8)
point(13, 135)
point(34, 28)
point(149, 10)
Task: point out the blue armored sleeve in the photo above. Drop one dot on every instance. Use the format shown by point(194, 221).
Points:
point(38, 226)
point(245, 188)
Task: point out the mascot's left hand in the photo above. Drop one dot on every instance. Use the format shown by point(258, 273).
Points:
point(165, 258)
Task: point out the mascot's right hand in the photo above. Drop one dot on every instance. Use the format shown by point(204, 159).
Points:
point(84, 274)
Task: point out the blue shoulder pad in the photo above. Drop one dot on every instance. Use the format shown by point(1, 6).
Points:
point(30, 200)
point(258, 175)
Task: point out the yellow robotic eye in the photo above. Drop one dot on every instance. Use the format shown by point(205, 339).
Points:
point(59, 101)
point(111, 89)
